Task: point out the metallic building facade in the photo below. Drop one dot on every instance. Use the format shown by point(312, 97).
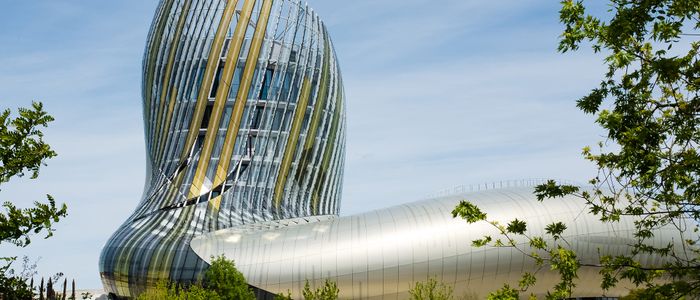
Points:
point(244, 122)
point(381, 254)
point(244, 116)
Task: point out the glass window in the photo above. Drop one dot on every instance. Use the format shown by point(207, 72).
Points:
point(217, 79)
point(267, 80)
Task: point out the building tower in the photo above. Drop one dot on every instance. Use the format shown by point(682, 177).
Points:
point(244, 115)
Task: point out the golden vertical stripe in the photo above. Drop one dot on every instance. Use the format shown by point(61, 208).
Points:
point(330, 148)
point(221, 96)
point(168, 118)
point(291, 147)
point(242, 96)
point(320, 104)
point(162, 128)
point(151, 64)
point(166, 247)
point(209, 72)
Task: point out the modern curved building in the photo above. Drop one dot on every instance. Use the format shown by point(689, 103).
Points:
point(381, 254)
point(244, 122)
point(244, 116)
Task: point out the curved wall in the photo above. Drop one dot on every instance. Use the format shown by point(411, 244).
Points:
point(244, 122)
point(381, 254)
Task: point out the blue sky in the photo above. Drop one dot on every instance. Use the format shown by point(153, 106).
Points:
point(440, 93)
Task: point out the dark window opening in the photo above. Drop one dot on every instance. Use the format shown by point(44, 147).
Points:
point(293, 56)
point(257, 116)
point(287, 85)
point(227, 43)
point(207, 116)
point(199, 75)
point(217, 79)
point(199, 141)
point(267, 81)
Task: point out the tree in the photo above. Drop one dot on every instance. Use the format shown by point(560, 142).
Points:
point(221, 281)
point(551, 250)
point(329, 291)
point(165, 290)
point(284, 296)
point(648, 165)
point(223, 278)
point(430, 290)
point(23, 150)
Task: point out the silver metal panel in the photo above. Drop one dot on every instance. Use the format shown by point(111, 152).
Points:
point(381, 254)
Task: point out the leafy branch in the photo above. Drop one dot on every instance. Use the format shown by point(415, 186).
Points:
point(553, 251)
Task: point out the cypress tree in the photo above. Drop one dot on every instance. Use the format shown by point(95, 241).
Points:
point(50, 294)
point(65, 284)
point(41, 289)
point(72, 293)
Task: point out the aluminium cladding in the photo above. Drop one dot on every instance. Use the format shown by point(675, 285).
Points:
point(244, 116)
point(244, 122)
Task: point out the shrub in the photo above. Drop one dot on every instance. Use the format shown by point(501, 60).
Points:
point(329, 291)
point(165, 290)
point(431, 289)
point(223, 278)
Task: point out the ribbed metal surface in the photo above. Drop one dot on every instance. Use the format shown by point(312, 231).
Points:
point(381, 254)
point(244, 122)
point(244, 115)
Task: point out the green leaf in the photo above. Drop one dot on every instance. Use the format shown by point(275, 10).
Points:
point(481, 242)
point(555, 229)
point(517, 227)
point(468, 211)
point(551, 189)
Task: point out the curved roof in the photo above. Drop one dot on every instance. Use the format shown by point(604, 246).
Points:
point(380, 254)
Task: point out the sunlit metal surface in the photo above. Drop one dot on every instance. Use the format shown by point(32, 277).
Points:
point(244, 116)
point(381, 254)
point(244, 121)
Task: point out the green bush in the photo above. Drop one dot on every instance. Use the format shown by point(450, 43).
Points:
point(221, 282)
point(329, 291)
point(166, 291)
point(430, 290)
point(223, 278)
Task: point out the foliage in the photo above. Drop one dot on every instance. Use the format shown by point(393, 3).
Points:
point(329, 291)
point(505, 293)
point(430, 290)
point(23, 150)
point(86, 295)
point(640, 294)
point(13, 286)
point(165, 291)
point(648, 103)
point(284, 296)
point(648, 165)
point(223, 278)
point(221, 281)
point(552, 252)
